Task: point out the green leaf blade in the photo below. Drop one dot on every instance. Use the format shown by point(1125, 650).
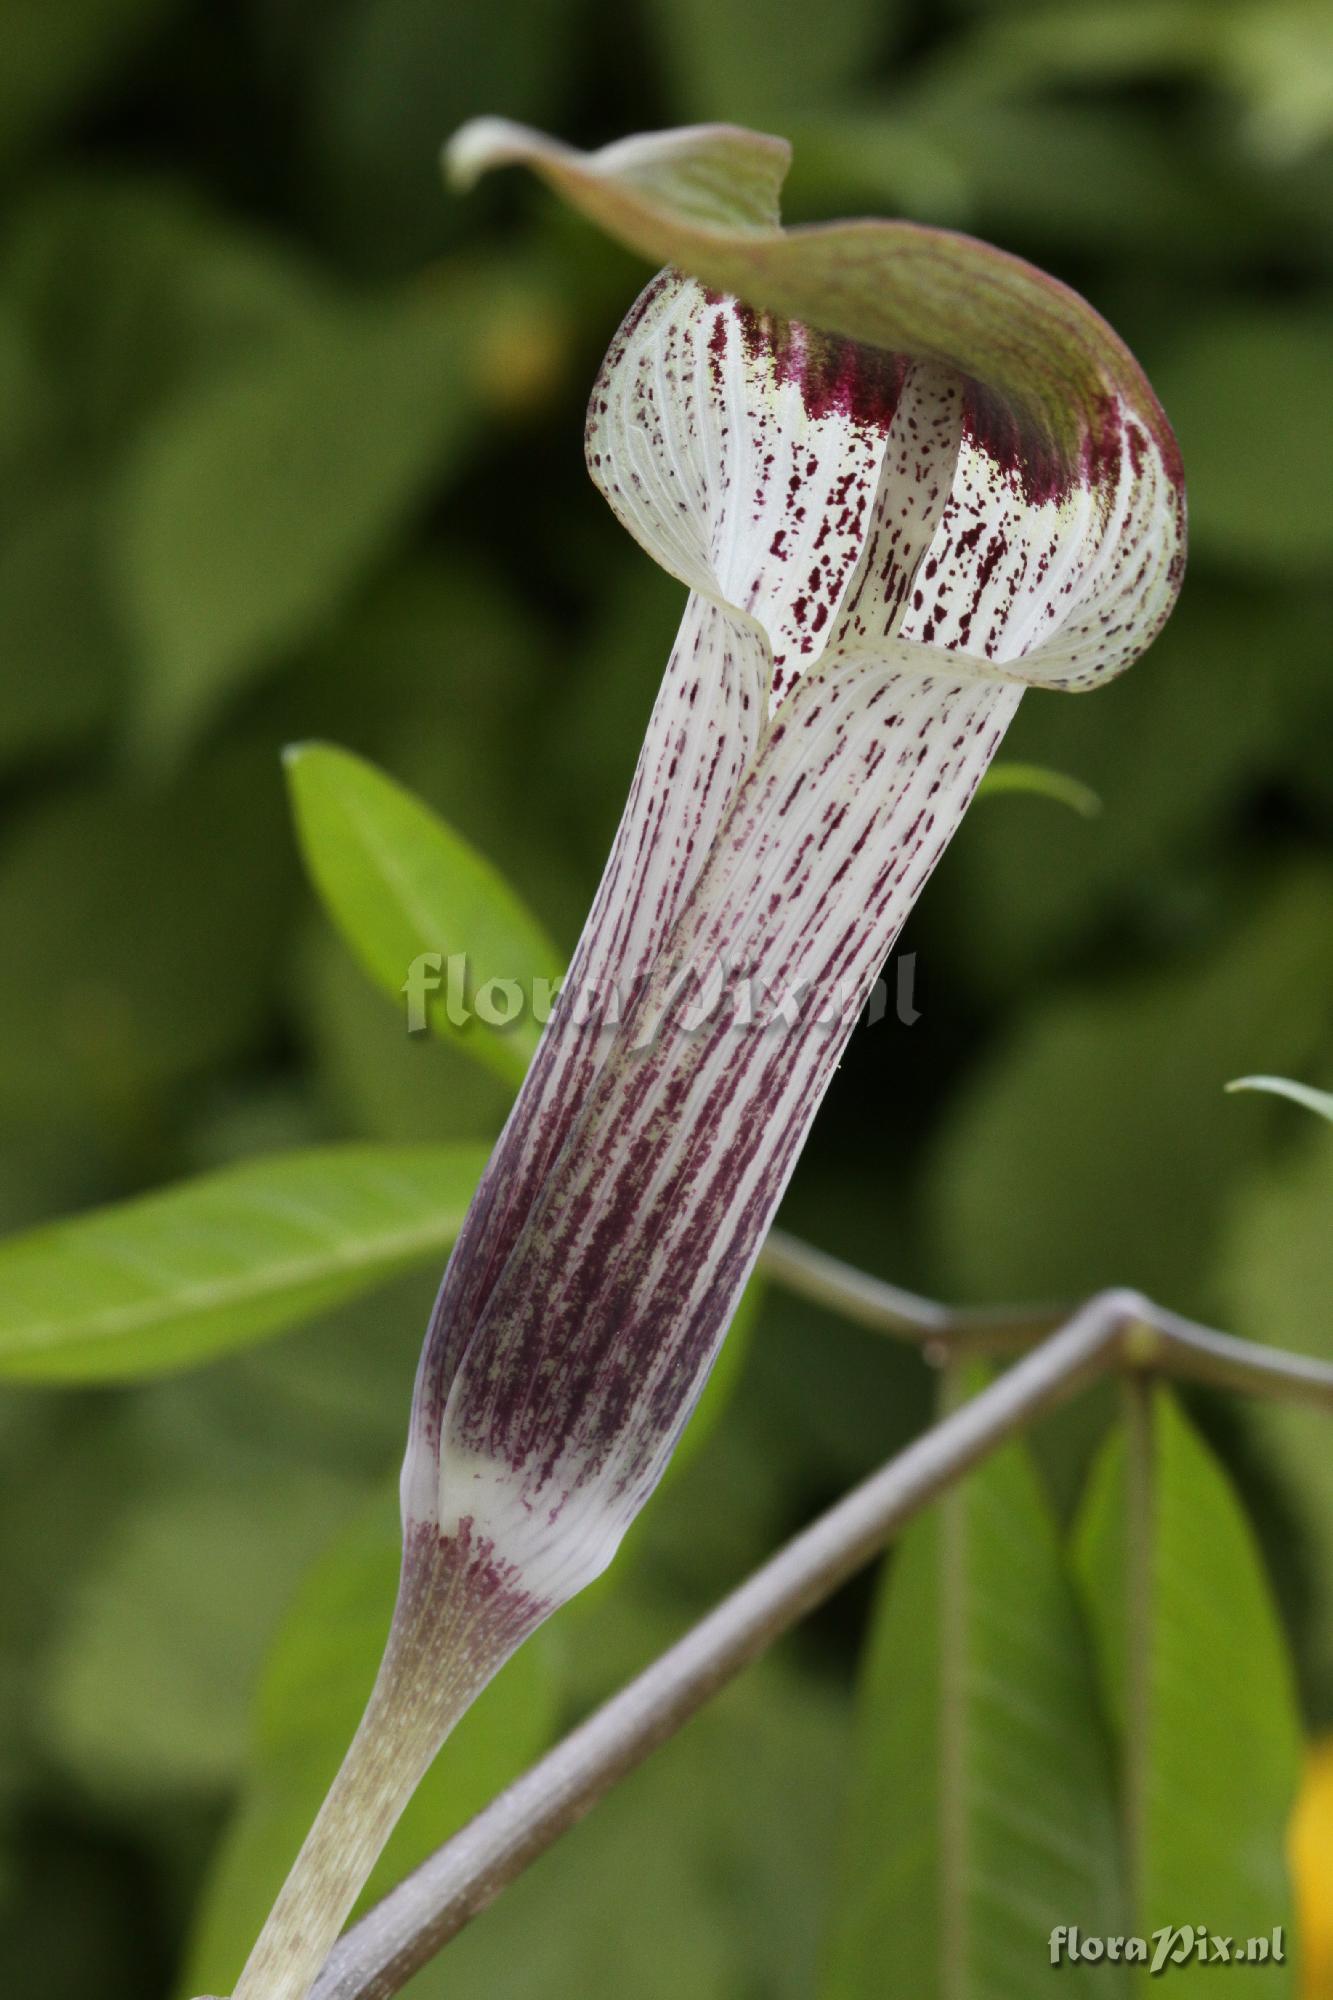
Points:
point(174, 1278)
point(254, 505)
point(983, 1815)
point(1224, 1747)
point(400, 884)
point(1010, 776)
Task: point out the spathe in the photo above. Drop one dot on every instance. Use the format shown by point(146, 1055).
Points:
point(903, 477)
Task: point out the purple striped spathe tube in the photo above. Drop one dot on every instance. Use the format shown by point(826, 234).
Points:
point(881, 552)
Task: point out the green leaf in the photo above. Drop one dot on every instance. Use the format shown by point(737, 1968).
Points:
point(428, 674)
point(69, 1473)
point(982, 1811)
point(722, 68)
point(1101, 1115)
point(1260, 495)
point(1277, 56)
point(375, 1079)
point(1318, 1101)
point(1275, 1282)
point(1274, 55)
point(134, 292)
point(1097, 174)
point(171, 1279)
point(384, 78)
point(1224, 1743)
point(150, 924)
point(701, 1875)
point(400, 884)
point(249, 512)
point(57, 636)
point(1277, 1257)
point(147, 1687)
point(1008, 776)
point(315, 1683)
point(1172, 771)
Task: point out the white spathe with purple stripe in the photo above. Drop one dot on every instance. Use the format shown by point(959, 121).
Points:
point(960, 486)
point(870, 591)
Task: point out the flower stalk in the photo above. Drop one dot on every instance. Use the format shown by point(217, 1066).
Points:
point(454, 1623)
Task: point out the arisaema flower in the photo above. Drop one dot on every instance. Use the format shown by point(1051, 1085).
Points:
point(903, 477)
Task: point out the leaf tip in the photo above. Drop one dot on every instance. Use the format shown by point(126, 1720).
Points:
point(1318, 1101)
point(1010, 776)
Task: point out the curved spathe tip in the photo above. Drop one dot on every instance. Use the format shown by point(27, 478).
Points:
point(705, 198)
point(485, 143)
point(717, 179)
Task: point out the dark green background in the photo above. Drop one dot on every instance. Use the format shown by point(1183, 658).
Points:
point(290, 447)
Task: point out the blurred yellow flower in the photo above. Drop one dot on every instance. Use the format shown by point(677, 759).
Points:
point(1312, 1867)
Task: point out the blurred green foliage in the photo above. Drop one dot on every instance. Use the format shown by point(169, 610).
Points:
point(1223, 1746)
point(1011, 1829)
point(290, 446)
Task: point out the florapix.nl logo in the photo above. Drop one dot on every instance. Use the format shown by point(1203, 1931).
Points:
point(691, 998)
point(1170, 1946)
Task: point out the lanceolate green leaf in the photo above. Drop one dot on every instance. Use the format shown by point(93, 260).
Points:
point(1223, 1739)
point(174, 1278)
point(317, 1678)
point(982, 1814)
point(193, 1573)
point(252, 506)
point(404, 889)
point(1014, 1211)
point(1008, 776)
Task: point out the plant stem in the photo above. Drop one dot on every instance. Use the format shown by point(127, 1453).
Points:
point(1157, 1338)
point(381, 1953)
point(1116, 1329)
point(884, 1308)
